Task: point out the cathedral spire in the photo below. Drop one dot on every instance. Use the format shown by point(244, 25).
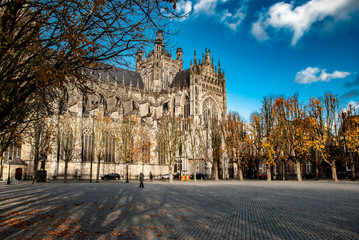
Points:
point(195, 58)
point(207, 55)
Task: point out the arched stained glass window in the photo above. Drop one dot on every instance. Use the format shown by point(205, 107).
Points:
point(110, 148)
point(209, 110)
point(87, 144)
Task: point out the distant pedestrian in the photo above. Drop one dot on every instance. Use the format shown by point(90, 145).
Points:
point(151, 176)
point(141, 180)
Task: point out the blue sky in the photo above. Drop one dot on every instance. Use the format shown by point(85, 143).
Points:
point(276, 47)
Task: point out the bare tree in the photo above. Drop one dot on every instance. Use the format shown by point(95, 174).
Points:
point(68, 135)
point(125, 137)
point(211, 140)
point(142, 145)
point(101, 130)
point(194, 152)
point(41, 135)
point(169, 138)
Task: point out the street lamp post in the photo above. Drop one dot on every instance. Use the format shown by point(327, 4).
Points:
point(92, 144)
point(127, 172)
point(8, 175)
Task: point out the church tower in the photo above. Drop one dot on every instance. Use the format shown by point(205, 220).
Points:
point(159, 45)
point(179, 55)
point(158, 68)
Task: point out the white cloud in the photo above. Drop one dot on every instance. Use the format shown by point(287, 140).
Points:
point(233, 20)
point(206, 6)
point(184, 7)
point(258, 30)
point(301, 18)
point(311, 75)
point(351, 106)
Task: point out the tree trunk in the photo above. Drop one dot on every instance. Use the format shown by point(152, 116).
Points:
point(195, 173)
point(215, 171)
point(170, 169)
point(1, 164)
point(98, 170)
point(334, 172)
point(58, 147)
point(269, 173)
point(316, 172)
point(36, 164)
point(352, 167)
point(316, 165)
point(299, 171)
point(65, 174)
point(91, 168)
point(127, 173)
point(284, 171)
point(225, 169)
point(240, 172)
point(353, 171)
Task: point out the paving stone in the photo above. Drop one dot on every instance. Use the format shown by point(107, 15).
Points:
point(180, 210)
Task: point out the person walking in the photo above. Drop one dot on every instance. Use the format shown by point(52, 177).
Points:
point(141, 180)
point(151, 176)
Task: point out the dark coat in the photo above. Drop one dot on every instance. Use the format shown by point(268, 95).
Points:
point(142, 177)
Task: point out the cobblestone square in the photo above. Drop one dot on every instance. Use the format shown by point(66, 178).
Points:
point(181, 210)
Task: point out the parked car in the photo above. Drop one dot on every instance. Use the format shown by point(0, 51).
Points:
point(111, 176)
point(343, 175)
point(198, 176)
point(166, 176)
point(309, 175)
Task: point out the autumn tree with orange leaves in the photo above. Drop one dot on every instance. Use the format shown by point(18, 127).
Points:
point(293, 128)
point(255, 128)
point(236, 141)
point(270, 140)
point(315, 112)
point(328, 141)
point(350, 134)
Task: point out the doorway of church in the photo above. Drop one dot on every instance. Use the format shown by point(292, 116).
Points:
point(18, 174)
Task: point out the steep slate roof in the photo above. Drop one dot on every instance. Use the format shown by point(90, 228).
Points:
point(181, 79)
point(118, 74)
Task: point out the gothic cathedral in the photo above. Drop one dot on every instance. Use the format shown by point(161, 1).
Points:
point(159, 86)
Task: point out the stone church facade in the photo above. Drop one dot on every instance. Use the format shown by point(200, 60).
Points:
point(159, 86)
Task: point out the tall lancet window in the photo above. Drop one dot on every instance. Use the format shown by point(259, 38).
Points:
point(187, 110)
point(87, 144)
point(166, 82)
